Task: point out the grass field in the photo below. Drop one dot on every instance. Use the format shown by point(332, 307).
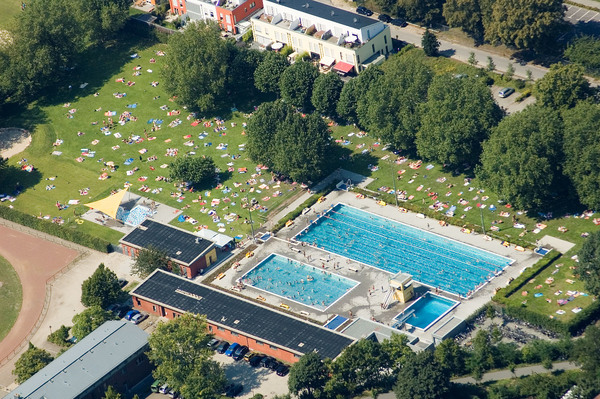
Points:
point(11, 296)
point(8, 9)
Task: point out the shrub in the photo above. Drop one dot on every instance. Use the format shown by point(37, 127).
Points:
point(60, 337)
point(248, 36)
point(286, 50)
point(523, 96)
point(519, 84)
point(487, 80)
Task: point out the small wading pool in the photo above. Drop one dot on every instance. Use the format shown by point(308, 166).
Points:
point(298, 282)
point(425, 311)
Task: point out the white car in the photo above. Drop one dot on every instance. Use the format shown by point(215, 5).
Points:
point(507, 91)
point(138, 318)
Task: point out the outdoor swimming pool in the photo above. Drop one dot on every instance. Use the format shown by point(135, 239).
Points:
point(426, 310)
point(394, 247)
point(298, 282)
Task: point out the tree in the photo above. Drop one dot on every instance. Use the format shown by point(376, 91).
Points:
point(296, 84)
point(196, 66)
point(308, 376)
point(326, 93)
point(88, 320)
point(148, 260)
point(581, 148)
point(457, 117)
point(585, 51)
point(242, 69)
point(526, 25)
point(268, 73)
point(182, 359)
point(199, 171)
point(388, 6)
point(465, 14)
point(31, 361)
point(522, 159)
point(491, 66)
point(101, 19)
point(60, 336)
point(586, 354)
point(529, 75)
point(430, 43)
point(101, 289)
point(482, 353)
point(397, 349)
point(510, 72)
point(262, 128)
point(428, 12)
point(472, 59)
point(588, 266)
point(354, 91)
point(422, 378)
point(390, 109)
point(364, 365)
point(562, 87)
point(450, 355)
point(111, 393)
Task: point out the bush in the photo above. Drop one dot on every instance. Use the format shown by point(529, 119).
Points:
point(487, 80)
point(286, 50)
point(523, 96)
point(303, 56)
point(248, 36)
point(519, 84)
point(60, 337)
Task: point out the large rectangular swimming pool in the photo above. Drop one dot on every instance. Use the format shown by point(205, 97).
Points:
point(298, 282)
point(394, 247)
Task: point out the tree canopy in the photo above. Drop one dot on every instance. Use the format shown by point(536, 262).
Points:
point(31, 361)
point(430, 43)
point(362, 366)
point(111, 393)
point(525, 24)
point(427, 12)
point(199, 171)
point(522, 159)
point(562, 87)
point(582, 151)
point(457, 117)
point(262, 129)
point(88, 320)
point(326, 93)
point(422, 377)
point(588, 266)
point(308, 376)
point(296, 84)
point(148, 260)
point(196, 66)
point(268, 73)
point(354, 91)
point(390, 109)
point(585, 51)
point(451, 355)
point(101, 289)
point(465, 14)
point(182, 359)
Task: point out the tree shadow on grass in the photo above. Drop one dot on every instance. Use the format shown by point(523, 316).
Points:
point(14, 180)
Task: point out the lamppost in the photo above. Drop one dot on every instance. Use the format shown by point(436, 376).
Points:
point(251, 223)
point(394, 181)
point(482, 224)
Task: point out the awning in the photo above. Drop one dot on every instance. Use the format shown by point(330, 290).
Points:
point(219, 239)
point(343, 67)
point(327, 61)
point(109, 205)
point(277, 46)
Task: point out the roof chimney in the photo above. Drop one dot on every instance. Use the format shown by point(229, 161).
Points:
point(355, 20)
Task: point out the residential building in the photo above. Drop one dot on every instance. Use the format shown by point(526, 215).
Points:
point(188, 253)
point(349, 40)
point(114, 354)
point(237, 319)
point(228, 13)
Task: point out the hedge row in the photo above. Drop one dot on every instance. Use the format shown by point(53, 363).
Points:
point(54, 229)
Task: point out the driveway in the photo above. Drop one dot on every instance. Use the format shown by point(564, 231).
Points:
point(509, 104)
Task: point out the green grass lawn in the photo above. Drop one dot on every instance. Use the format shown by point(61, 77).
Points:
point(8, 9)
point(11, 296)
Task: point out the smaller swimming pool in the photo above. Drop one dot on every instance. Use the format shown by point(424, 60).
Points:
point(425, 311)
point(298, 282)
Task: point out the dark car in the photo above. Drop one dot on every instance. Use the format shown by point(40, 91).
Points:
point(255, 360)
point(266, 361)
point(122, 311)
point(398, 22)
point(274, 365)
point(239, 352)
point(223, 346)
point(364, 11)
point(282, 370)
point(233, 390)
point(384, 18)
point(122, 282)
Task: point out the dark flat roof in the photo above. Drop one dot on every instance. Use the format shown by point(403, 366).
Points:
point(180, 245)
point(246, 317)
point(325, 11)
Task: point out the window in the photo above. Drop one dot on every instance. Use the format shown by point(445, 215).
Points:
point(212, 15)
point(220, 329)
point(385, 39)
point(297, 356)
point(154, 308)
point(234, 334)
point(373, 47)
point(252, 4)
point(228, 18)
point(174, 314)
point(357, 59)
point(210, 328)
point(273, 347)
point(138, 301)
point(259, 343)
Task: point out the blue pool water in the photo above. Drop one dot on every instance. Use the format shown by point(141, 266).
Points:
point(426, 310)
point(395, 247)
point(298, 282)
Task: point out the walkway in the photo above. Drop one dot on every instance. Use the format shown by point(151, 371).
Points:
point(519, 372)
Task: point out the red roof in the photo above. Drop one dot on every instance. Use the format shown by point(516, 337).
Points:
point(343, 67)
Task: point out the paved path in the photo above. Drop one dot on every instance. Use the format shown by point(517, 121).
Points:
point(519, 372)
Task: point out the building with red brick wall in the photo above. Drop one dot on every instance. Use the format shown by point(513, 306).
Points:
point(227, 13)
point(236, 319)
point(189, 254)
point(113, 354)
point(177, 7)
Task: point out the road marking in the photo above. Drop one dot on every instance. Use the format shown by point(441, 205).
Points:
point(592, 17)
point(579, 19)
point(572, 16)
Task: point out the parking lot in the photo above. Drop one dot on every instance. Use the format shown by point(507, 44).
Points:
point(575, 14)
point(254, 380)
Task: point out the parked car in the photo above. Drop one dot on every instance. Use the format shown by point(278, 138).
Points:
point(250, 355)
point(232, 349)
point(223, 346)
point(266, 361)
point(507, 91)
point(131, 313)
point(398, 22)
point(364, 11)
point(233, 390)
point(213, 343)
point(138, 318)
point(239, 353)
point(274, 365)
point(255, 360)
point(155, 386)
point(164, 389)
point(384, 18)
point(122, 311)
point(282, 370)
point(122, 282)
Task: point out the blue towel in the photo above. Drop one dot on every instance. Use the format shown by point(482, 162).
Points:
point(150, 121)
point(132, 106)
point(158, 121)
point(128, 161)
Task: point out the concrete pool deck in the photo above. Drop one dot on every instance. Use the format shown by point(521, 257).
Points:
point(366, 299)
